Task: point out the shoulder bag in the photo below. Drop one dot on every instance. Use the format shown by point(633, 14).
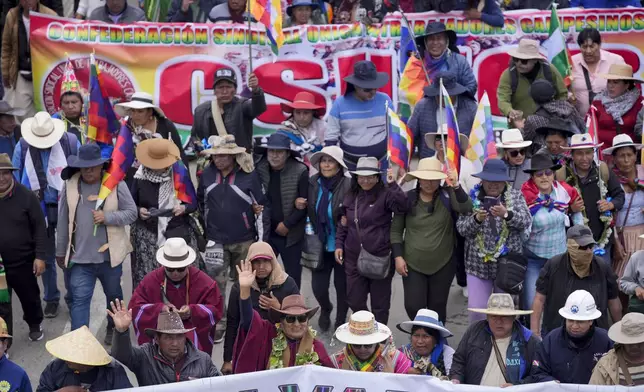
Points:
point(370, 266)
point(510, 273)
point(500, 362)
point(312, 252)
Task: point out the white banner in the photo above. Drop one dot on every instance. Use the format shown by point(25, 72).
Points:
point(320, 379)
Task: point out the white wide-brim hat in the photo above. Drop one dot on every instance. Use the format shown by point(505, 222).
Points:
point(334, 152)
point(512, 138)
point(367, 166)
point(42, 131)
point(139, 100)
point(362, 328)
point(425, 318)
point(430, 139)
point(500, 304)
point(527, 49)
point(630, 330)
point(622, 140)
point(581, 141)
point(175, 253)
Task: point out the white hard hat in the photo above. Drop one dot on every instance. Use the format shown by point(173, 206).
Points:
point(580, 306)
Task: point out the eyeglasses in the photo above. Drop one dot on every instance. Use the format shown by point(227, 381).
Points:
point(516, 153)
point(291, 319)
point(542, 173)
point(362, 346)
point(586, 247)
point(522, 61)
point(171, 270)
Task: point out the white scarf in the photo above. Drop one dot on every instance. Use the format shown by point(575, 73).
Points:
point(57, 162)
point(166, 200)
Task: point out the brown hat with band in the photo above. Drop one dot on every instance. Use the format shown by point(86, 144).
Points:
point(157, 153)
point(293, 305)
point(5, 162)
point(169, 323)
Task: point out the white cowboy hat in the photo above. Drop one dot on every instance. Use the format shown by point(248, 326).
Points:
point(362, 328)
point(425, 318)
point(428, 169)
point(528, 49)
point(581, 142)
point(512, 138)
point(367, 166)
point(175, 253)
point(622, 140)
point(334, 152)
point(628, 331)
point(580, 306)
point(42, 131)
point(430, 138)
point(500, 304)
point(139, 100)
point(79, 346)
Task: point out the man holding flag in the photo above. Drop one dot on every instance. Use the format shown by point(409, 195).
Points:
point(92, 243)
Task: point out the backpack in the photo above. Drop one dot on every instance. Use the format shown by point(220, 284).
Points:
point(514, 75)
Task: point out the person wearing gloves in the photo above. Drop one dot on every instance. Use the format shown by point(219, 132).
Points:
point(569, 353)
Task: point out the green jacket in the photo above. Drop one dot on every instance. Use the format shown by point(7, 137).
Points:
point(521, 100)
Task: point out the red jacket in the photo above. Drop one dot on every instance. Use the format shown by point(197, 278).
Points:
point(608, 128)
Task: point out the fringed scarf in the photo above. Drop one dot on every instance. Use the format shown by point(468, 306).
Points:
point(618, 106)
point(635, 184)
point(536, 200)
point(432, 365)
point(166, 199)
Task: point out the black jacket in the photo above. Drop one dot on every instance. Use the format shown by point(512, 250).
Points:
point(337, 198)
point(225, 204)
point(238, 117)
point(58, 375)
point(27, 237)
point(473, 352)
point(559, 358)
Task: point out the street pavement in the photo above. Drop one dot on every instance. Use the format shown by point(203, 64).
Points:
point(33, 356)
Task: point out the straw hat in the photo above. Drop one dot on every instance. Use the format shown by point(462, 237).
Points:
point(430, 138)
point(428, 169)
point(79, 346)
point(334, 152)
point(581, 141)
point(175, 253)
point(362, 328)
point(628, 331)
point(367, 166)
point(169, 323)
point(139, 100)
point(293, 305)
point(223, 145)
point(528, 49)
point(512, 138)
point(620, 72)
point(622, 140)
point(157, 153)
point(500, 304)
point(42, 131)
point(4, 330)
point(425, 318)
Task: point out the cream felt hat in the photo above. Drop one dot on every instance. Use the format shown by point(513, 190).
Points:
point(362, 328)
point(500, 304)
point(175, 253)
point(42, 131)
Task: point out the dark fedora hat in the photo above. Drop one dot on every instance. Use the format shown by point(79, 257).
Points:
point(89, 155)
point(556, 125)
point(449, 81)
point(279, 140)
point(434, 28)
point(541, 162)
point(494, 170)
point(365, 75)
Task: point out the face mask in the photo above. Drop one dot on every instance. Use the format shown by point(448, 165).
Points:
point(579, 259)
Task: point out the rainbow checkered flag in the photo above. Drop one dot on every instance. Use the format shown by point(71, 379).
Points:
point(453, 148)
point(122, 160)
point(269, 13)
point(184, 190)
point(400, 140)
point(482, 145)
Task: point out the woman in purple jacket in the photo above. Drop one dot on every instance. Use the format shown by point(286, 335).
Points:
point(369, 205)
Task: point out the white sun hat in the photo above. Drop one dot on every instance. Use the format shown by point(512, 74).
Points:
point(581, 142)
point(580, 306)
point(362, 328)
point(139, 100)
point(175, 253)
point(425, 318)
point(622, 140)
point(512, 138)
point(42, 131)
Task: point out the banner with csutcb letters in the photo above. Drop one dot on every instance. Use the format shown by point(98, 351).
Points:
point(175, 62)
point(319, 379)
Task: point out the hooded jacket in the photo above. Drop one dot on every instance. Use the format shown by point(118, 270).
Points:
point(278, 283)
point(58, 375)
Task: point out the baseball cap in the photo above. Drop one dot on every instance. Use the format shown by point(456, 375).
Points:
point(225, 74)
point(581, 234)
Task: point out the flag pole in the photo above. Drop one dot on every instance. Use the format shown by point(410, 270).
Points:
point(413, 39)
point(387, 127)
point(250, 41)
point(441, 115)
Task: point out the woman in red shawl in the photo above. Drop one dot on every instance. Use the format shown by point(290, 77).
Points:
point(262, 345)
point(179, 287)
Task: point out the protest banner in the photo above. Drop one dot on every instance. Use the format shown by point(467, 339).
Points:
point(319, 379)
point(176, 62)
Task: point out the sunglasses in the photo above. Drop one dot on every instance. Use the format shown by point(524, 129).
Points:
point(542, 173)
point(291, 319)
point(586, 247)
point(362, 346)
point(522, 61)
point(175, 269)
point(516, 153)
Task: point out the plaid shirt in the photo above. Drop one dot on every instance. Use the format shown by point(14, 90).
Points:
point(469, 228)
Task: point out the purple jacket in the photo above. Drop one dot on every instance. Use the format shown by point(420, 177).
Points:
point(375, 209)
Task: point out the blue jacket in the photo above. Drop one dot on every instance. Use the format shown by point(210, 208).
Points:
point(561, 360)
point(57, 375)
point(226, 205)
point(13, 377)
point(491, 13)
point(605, 3)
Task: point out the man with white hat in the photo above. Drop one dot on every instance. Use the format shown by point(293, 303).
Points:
point(569, 353)
point(624, 364)
point(526, 66)
point(513, 150)
point(39, 158)
point(598, 186)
